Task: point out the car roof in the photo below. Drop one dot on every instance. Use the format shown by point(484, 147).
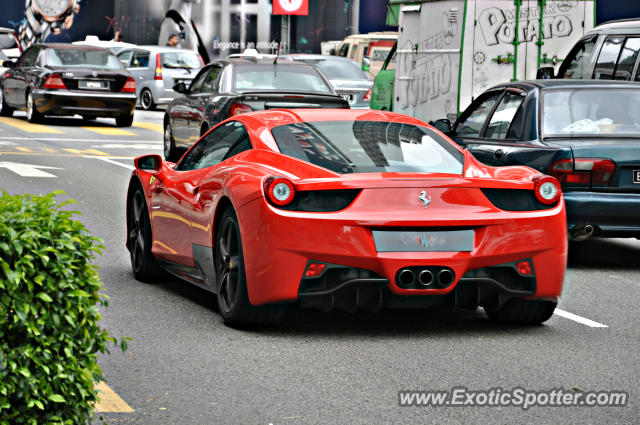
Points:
point(316, 56)
point(568, 84)
point(622, 26)
point(253, 61)
point(71, 46)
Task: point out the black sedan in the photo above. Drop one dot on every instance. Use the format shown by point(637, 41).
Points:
point(65, 79)
point(229, 87)
point(585, 133)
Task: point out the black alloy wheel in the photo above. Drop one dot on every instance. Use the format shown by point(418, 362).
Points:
point(143, 264)
point(146, 100)
point(5, 110)
point(33, 116)
point(170, 150)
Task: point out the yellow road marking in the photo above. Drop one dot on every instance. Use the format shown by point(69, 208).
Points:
point(110, 401)
point(27, 126)
point(150, 126)
point(23, 149)
point(110, 131)
point(84, 152)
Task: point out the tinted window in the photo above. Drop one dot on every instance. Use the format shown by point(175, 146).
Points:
point(29, 57)
point(214, 147)
point(369, 146)
point(608, 58)
point(81, 58)
point(627, 59)
point(575, 65)
point(343, 50)
point(209, 82)
point(140, 60)
point(471, 125)
point(503, 116)
point(268, 77)
point(196, 84)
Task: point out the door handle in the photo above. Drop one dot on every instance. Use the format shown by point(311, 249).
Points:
point(498, 154)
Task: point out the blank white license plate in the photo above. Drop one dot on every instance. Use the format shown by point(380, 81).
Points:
point(427, 241)
point(636, 176)
point(92, 84)
point(347, 97)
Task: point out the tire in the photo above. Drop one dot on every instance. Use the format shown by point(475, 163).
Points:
point(233, 300)
point(144, 265)
point(124, 120)
point(522, 312)
point(89, 118)
point(33, 116)
point(5, 110)
point(170, 151)
point(146, 100)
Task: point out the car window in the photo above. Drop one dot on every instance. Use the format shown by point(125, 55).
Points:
point(354, 51)
point(140, 60)
point(627, 59)
point(209, 82)
point(196, 84)
point(503, 116)
point(343, 50)
point(608, 58)
point(575, 65)
point(471, 124)
point(279, 77)
point(29, 57)
point(336, 69)
point(215, 146)
point(124, 58)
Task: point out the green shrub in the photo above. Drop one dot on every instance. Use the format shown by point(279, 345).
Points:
point(49, 297)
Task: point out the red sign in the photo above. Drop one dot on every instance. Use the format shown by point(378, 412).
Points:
point(291, 7)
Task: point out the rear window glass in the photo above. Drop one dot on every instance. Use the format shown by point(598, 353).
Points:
point(82, 58)
point(369, 146)
point(269, 77)
point(338, 69)
point(7, 41)
point(185, 60)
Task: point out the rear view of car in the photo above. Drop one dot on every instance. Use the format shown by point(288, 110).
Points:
point(64, 80)
point(157, 69)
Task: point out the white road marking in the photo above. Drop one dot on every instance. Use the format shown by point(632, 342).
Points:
point(579, 319)
point(110, 161)
point(145, 146)
point(28, 170)
point(48, 139)
point(7, 144)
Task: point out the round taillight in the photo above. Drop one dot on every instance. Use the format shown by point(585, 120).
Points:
point(547, 190)
point(280, 190)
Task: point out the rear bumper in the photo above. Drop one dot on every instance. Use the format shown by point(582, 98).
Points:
point(278, 246)
point(67, 102)
point(611, 214)
point(162, 94)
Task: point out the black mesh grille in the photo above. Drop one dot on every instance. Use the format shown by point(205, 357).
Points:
point(322, 200)
point(515, 200)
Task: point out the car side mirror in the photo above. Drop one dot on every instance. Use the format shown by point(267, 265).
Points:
point(366, 63)
point(444, 125)
point(180, 87)
point(149, 163)
point(9, 64)
point(545, 73)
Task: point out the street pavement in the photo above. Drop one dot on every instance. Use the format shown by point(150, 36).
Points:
point(183, 366)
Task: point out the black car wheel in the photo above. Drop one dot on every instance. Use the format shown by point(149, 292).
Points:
point(170, 151)
point(522, 312)
point(124, 120)
point(146, 100)
point(5, 110)
point(32, 113)
point(143, 264)
point(233, 300)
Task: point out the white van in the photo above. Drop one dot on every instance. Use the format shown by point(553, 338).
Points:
point(358, 46)
point(450, 51)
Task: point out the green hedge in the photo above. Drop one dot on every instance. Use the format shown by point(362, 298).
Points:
point(49, 297)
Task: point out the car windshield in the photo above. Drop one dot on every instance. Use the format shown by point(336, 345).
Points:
point(338, 69)
point(587, 112)
point(187, 60)
point(369, 146)
point(82, 58)
point(268, 77)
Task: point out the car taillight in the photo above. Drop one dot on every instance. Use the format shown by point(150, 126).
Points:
point(201, 60)
point(239, 108)
point(547, 189)
point(54, 82)
point(584, 171)
point(15, 37)
point(158, 74)
point(129, 86)
point(367, 96)
point(279, 190)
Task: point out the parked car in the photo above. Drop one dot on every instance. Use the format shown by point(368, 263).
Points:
point(347, 209)
point(585, 133)
point(607, 52)
point(157, 69)
point(114, 46)
point(65, 79)
point(345, 76)
point(229, 87)
point(10, 48)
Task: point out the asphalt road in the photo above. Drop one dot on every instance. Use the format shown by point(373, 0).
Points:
point(185, 367)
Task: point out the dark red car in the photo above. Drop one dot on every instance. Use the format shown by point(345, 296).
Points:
point(347, 209)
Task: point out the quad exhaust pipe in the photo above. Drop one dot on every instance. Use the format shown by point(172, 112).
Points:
point(425, 277)
point(582, 232)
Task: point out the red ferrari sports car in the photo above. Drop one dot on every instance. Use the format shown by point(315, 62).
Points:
point(347, 209)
